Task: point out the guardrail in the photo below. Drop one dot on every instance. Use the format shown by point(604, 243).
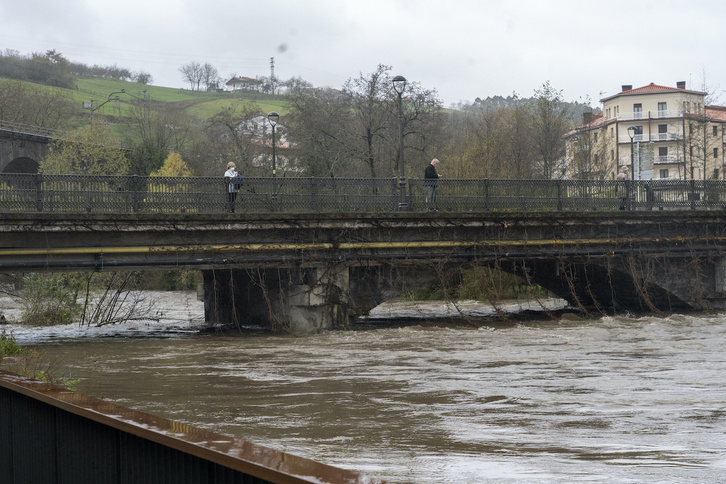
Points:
point(28, 129)
point(52, 435)
point(25, 193)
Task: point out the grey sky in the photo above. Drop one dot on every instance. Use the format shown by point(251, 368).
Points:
point(462, 48)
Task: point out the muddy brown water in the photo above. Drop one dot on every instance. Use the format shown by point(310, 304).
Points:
point(616, 399)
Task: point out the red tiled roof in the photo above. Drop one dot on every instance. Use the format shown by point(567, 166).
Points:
point(716, 113)
point(596, 122)
point(650, 89)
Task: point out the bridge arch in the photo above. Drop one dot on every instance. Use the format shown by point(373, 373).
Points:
point(22, 164)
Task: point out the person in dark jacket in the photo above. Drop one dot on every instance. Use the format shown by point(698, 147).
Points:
point(430, 181)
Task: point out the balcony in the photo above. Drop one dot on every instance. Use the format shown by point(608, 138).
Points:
point(666, 160)
point(638, 138)
point(649, 115)
point(644, 138)
point(657, 160)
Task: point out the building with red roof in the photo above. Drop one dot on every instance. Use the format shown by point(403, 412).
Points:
point(657, 132)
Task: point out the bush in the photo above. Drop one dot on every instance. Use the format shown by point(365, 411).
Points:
point(48, 301)
point(8, 346)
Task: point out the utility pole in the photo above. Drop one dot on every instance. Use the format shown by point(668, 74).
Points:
point(272, 74)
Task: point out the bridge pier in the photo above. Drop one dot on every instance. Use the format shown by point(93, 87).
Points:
point(299, 300)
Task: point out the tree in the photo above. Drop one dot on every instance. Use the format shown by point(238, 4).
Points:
point(317, 121)
point(210, 77)
point(156, 133)
point(142, 77)
point(89, 150)
point(230, 141)
point(193, 73)
point(51, 69)
point(550, 123)
point(296, 83)
point(173, 166)
point(26, 103)
point(372, 114)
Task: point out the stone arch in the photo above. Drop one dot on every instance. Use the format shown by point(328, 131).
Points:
point(22, 164)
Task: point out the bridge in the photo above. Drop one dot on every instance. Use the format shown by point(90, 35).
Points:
point(310, 254)
point(23, 146)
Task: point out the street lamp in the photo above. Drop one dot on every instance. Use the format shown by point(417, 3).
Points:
point(399, 85)
point(631, 133)
point(273, 117)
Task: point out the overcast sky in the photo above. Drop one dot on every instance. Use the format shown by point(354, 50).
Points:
point(462, 48)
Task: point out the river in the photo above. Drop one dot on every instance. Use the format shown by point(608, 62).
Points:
point(614, 399)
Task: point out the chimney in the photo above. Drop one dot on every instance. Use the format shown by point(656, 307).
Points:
point(627, 87)
point(587, 117)
point(681, 84)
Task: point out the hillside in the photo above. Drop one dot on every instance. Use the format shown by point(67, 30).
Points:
point(201, 105)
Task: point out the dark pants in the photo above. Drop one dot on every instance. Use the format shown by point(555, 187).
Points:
point(431, 198)
point(231, 197)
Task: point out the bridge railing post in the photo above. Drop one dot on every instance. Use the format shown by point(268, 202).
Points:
point(136, 194)
point(39, 192)
point(487, 200)
point(314, 195)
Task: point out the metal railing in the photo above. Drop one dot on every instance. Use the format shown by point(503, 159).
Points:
point(25, 193)
point(28, 129)
point(659, 114)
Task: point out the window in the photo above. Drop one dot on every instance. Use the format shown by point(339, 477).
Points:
point(595, 137)
point(662, 110)
point(715, 173)
point(715, 130)
point(662, 132)
point(664, 173)
point(612, 155)
point(715, 153)
point(637, 111)
point(663, 151)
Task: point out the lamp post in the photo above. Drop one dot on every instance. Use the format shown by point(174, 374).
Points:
point(399, 85)
point(631, 133)
point(273, 117)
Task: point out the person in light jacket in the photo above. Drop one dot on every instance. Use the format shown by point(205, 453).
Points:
point(229, 176)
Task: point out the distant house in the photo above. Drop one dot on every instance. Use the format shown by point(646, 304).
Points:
point(243, 84)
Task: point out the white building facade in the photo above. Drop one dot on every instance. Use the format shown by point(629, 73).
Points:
point(658, 132)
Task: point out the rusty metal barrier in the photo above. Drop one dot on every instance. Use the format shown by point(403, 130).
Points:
point(52, 435)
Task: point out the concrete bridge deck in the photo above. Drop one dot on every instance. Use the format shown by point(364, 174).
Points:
point(315, 271)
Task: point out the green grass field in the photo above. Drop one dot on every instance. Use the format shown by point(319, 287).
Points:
point(199, 104)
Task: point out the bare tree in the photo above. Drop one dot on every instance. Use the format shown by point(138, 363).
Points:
point(210, 77)
point(193, 73)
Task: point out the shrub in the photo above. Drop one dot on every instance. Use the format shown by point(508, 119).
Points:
point(48, 301)
point(8, 346)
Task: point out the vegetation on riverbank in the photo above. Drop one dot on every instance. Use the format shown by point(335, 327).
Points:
point(484, 284)
point(93, 298)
